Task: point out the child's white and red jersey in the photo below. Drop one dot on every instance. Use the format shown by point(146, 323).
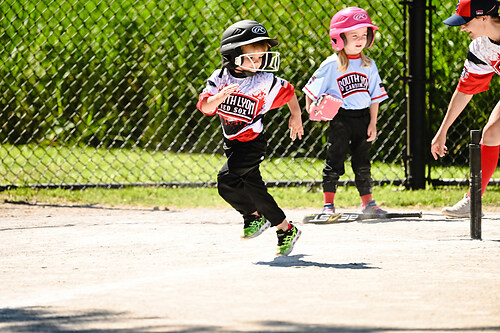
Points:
point(241, 113)
point(483, 61)
point(358, 87)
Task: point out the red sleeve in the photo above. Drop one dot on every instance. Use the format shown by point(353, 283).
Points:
point(284, 96)
point(204, 97)
point(471, 83)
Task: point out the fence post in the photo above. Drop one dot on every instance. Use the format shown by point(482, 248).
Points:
point(475, 184)
point(417, 144)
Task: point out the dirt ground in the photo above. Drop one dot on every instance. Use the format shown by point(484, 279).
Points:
point(92, 270)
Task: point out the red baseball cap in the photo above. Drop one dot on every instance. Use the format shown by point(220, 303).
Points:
point(468, 9)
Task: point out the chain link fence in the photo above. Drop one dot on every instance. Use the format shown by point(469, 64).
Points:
point(104, 92)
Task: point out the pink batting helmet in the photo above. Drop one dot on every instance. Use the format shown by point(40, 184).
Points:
point(348, 19)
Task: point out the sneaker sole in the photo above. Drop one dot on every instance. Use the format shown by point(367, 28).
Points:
point(293, 243)
point(375, 215)
point(261, 230)
point(457, 216)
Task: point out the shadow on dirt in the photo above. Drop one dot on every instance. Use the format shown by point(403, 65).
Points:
point(296, 261)
point(86, 206)
point(43, 320)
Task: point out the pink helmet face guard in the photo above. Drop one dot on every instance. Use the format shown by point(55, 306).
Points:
point(349, 19)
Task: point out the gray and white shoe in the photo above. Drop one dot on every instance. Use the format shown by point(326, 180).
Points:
point(461, 208)
point(373, 210)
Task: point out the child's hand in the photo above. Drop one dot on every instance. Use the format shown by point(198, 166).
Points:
point(371, 132)
point(209, 106)
point(228, 90)
point(295, 126)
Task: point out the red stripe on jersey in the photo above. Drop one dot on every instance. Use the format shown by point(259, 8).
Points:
point(471, 83)
point(374, 98)
point(284, 96)
point(204, 97)
point(309, 91)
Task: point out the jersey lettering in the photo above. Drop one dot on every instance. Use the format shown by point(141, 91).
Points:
point(238, 107)
point(352, 83)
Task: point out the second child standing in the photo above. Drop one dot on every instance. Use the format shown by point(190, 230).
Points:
point(352, 77)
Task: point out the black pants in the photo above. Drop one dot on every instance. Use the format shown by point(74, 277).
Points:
point(240, 183)
point(347, 133)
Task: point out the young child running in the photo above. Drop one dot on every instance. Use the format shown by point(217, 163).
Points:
point(352, 77)
point(241, 93)
point(480, 19)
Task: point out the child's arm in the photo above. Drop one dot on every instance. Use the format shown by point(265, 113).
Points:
point(295, 122)
point(372, 126)
point(309, 101)
point(212, 102)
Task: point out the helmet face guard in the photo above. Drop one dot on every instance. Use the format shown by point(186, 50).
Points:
point(270, 61)
point(349, 19)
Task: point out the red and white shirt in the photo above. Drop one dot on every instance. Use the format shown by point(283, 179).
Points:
point(241, 113)
point(483, 61)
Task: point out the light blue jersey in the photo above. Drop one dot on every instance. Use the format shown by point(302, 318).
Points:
point(358, 87)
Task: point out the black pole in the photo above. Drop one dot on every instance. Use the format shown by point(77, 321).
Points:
point(417, 96)
point(475, 184)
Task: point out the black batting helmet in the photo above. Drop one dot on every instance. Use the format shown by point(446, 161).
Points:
point(241, 33)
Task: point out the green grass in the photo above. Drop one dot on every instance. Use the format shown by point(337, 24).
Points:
point(30, 164)
point(299, 197)
point(33, 164)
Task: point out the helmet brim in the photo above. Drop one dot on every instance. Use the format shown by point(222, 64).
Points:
point(273, 42)
point(338, 31)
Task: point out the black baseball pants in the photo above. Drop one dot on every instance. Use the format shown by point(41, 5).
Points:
point(347, 133)
point(240, 183)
